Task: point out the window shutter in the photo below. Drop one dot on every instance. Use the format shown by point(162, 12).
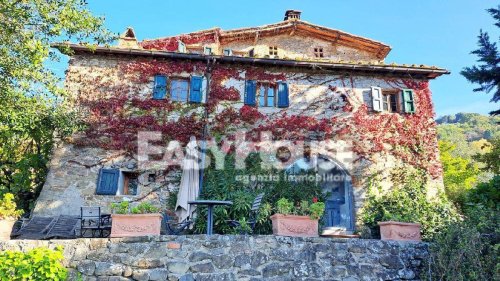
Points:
point(283, 100)
point(160, 88)
point(195, 89)
point(408, 101)
point(250, 90)
point(107, 183)
point(377, 98)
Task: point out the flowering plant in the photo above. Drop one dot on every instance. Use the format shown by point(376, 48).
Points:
point(302, 208)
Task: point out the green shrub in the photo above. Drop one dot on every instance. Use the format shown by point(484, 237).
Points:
point(8, 208)
point(469, 250)
point(314, 210)
point(284, 206)
point(407, 202)
point(39, 264)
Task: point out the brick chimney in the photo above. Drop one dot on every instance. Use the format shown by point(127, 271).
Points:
point(128, 40)
point(292, 15)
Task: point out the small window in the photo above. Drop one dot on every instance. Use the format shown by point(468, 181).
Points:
point(130, 183)
point(273, 50)
point(207, 51)
point(228, 52)
point(179, 90)
point(267, 95)
point(318, 52)
point(251, 53)
point(390, 102)
point(181, 48)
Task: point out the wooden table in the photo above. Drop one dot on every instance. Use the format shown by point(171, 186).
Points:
point(210, 216)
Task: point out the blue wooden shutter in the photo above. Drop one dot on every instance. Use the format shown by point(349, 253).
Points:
point(283, 100)
point(107, 183)
point(160, 88)
point(195, 89)
point(377, 99)
point(408, 101)
point(250, 90)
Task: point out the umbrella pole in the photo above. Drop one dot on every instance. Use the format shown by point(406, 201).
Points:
point(208, 74)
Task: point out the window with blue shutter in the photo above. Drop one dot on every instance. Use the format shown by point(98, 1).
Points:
point(107, 182)
point(160, 87)
point(250, 89)
point(195, 89)
point(408, 101)
point(283, 100)
point(377, 99)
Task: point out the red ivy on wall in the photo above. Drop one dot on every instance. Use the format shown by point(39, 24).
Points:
point(114, 113)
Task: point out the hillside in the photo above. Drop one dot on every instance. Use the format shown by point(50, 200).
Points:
point(468, 131)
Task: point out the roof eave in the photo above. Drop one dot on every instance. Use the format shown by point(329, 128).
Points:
point(421, 72)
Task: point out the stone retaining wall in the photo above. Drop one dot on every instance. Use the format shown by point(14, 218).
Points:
point(218, 257)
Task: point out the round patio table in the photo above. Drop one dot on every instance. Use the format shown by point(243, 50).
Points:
point(210, 215)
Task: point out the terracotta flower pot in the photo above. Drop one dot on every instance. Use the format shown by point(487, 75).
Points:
point(135, 225)
point(290, 225)
point(6, 226)
point(400, 231)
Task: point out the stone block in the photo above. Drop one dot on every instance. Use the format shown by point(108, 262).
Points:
point(205, 267)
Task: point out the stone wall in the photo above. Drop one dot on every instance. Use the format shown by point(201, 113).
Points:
point(217, 257)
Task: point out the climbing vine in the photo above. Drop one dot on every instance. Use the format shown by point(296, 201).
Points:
point(114, 111)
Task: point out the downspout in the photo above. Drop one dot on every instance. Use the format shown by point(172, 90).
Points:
point(208, 76)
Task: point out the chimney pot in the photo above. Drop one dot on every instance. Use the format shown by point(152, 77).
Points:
point(292, 15)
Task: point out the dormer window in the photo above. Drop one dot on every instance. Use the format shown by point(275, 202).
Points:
point(207, 51)
point(181, 48)
point(228, 52)
point(251, 53)
point(273, 50)
point(318, 52)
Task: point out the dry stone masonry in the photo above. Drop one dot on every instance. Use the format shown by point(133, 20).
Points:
point(201, 257)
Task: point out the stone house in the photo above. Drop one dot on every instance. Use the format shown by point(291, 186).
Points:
point(294, 79)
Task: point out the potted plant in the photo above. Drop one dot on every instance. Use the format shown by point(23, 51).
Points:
point(399, 227)
point(8, 215)
point(300, 220)
point(141, 220)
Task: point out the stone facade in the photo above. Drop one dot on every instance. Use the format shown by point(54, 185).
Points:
point(236, 258)
point(111, 90)
point(74, 169)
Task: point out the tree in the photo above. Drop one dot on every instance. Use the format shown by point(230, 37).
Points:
point(31, 114)
point(459, 174)
point(487, 74)
point(491, 159)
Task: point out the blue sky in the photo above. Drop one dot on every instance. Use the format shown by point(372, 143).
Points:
point(441, 33)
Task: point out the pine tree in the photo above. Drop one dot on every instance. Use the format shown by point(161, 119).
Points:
point(487, 74)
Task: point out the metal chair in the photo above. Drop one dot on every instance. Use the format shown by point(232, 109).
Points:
point(173, 227)
point(252, 217)
point(92, 220)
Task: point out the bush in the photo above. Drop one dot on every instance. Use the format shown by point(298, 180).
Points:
point(407, 202)
point(8, 208)
point(39, 264)
point(469, 250)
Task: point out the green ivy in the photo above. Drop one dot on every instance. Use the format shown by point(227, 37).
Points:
point(407, 202)
point(39, 264)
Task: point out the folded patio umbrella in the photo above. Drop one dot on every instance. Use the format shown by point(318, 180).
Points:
point(190, 181)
